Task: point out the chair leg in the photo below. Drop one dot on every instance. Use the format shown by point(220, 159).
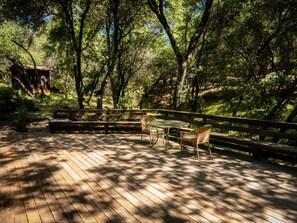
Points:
point(209, 149)
point(197, 152)
point(181, 144)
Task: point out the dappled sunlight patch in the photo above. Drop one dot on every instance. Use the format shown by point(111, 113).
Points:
point(120, 177)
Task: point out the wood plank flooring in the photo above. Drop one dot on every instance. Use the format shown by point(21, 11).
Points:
point(118, 178)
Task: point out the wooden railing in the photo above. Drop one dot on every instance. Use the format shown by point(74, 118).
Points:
point(251, 128)
point(261, 138)
point(101, 114)
point(105, 121)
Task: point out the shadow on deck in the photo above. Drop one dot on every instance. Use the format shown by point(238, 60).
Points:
point(118, 178)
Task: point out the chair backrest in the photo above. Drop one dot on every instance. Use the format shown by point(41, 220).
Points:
point(203, 134)
point(145, 120)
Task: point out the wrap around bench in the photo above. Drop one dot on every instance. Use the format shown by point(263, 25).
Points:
point(254, 145)
point(261, 138)
point(94, 119)
point(71, 125)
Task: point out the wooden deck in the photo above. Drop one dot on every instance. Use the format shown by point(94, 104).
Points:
point(117, 178)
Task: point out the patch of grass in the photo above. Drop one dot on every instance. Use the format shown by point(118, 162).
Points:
point(216, 108)
point(54, 101)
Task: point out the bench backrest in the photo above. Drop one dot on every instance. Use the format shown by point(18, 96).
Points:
point(99, 115)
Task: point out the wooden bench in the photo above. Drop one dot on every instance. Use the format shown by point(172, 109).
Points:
point(254, 146)
point(93, 119)
point(260, 138)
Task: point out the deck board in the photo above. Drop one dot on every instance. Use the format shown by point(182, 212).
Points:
point(118, 178)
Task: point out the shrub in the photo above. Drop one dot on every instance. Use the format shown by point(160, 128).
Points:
point(25, 102)
point(21, 118)
point(10, 101)
point(7, 99)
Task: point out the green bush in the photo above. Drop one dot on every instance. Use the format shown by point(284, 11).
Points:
point(7, 99)
point(29, 104)
point(10, 101)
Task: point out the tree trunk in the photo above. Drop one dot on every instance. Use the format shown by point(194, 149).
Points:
point(23, 71)
point(101, 93)
point(182, 59)
point(78, 81)
point(182, 72)
point(76, 42)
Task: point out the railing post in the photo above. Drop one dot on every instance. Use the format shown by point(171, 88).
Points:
point(204, 121)
point(106, 128)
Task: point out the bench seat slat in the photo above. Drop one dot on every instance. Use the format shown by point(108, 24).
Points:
point(70, 122)
point(258, 144)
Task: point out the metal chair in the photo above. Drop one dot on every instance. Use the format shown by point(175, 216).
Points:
point(197, 136)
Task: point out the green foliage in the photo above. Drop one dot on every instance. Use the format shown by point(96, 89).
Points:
point(8, 99)
point(28, 103)
point(29, 13)
point(19, 107)
point(18, 45)
point(23, 113)
point(55, 101)
point(21, 117)
point(245, 64)
point(245, 56)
